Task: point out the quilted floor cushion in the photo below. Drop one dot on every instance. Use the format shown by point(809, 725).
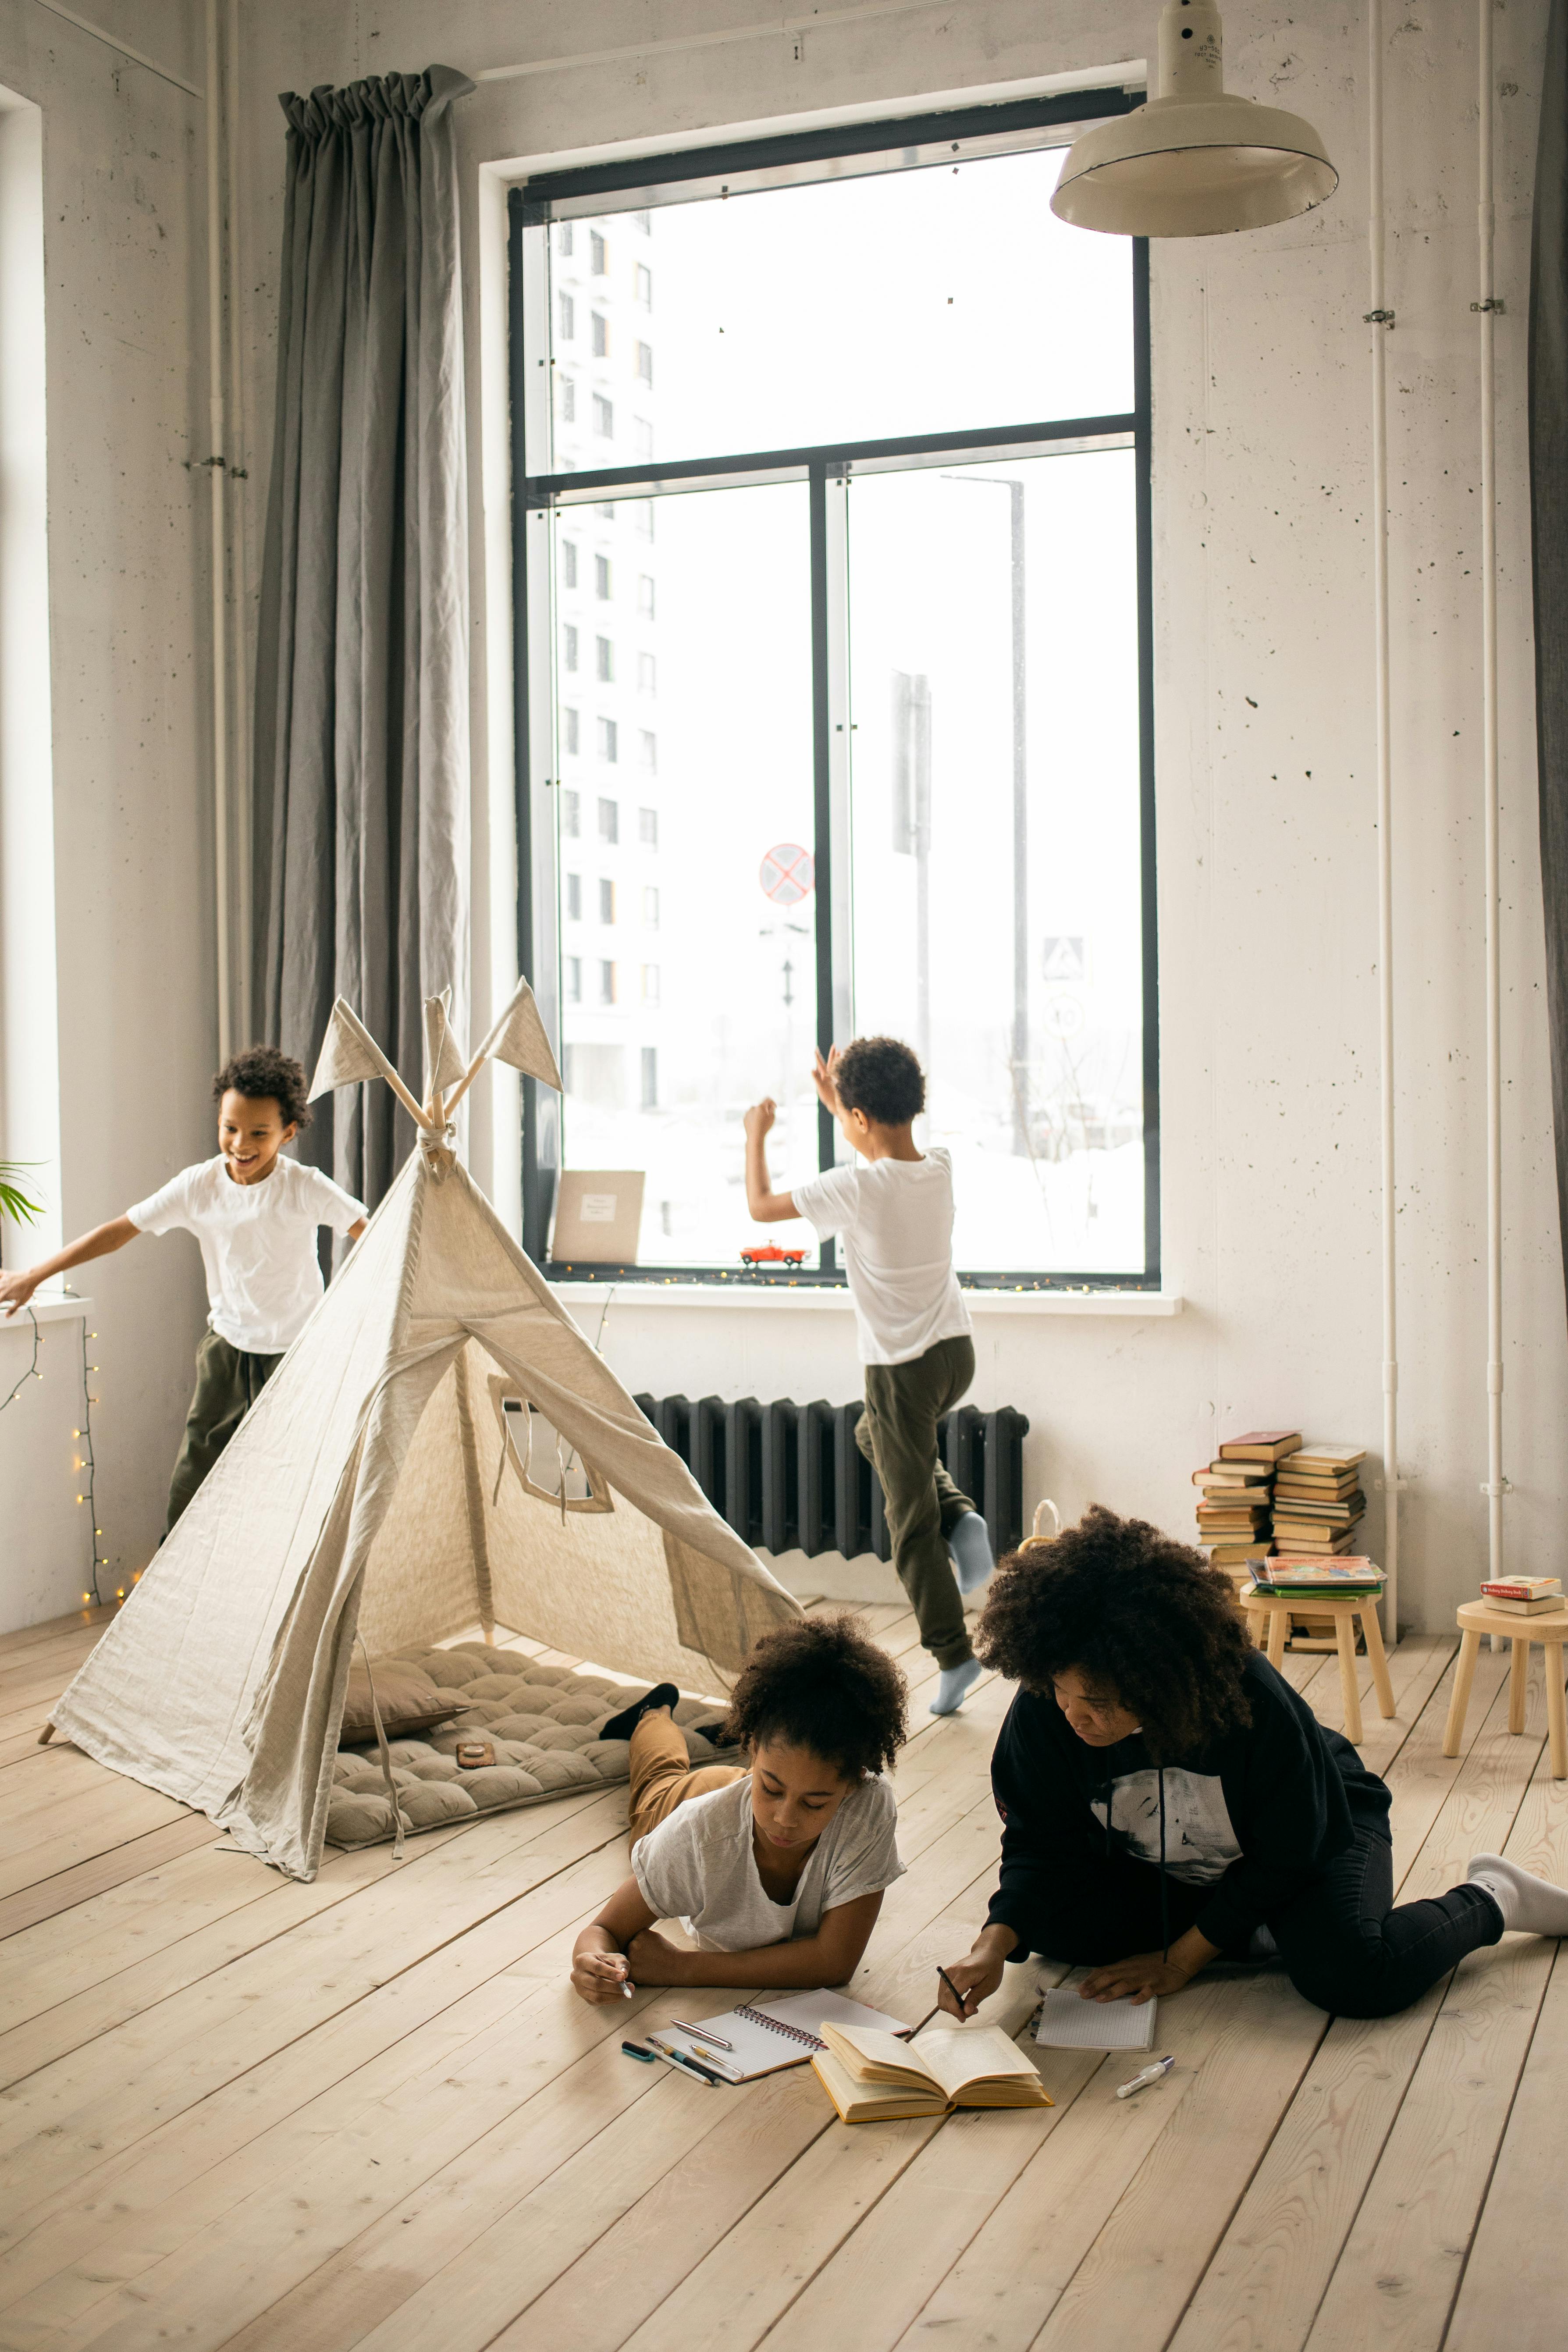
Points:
point(541, 1721)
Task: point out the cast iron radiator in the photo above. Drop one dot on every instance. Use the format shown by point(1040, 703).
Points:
point(788, 1475)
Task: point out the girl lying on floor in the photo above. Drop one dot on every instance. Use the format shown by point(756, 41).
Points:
point(1169, 1799)
point(777, 1865)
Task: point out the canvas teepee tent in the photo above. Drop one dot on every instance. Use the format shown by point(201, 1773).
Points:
point(385, 1483)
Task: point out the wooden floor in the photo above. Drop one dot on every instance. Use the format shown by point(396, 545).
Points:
point(369, 2112)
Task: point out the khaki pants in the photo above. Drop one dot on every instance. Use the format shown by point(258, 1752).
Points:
point(905, 1405)
point(229, 1383)
point(663, 1777)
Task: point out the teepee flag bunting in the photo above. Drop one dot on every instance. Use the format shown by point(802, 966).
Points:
point(350, 1054)
point(518, 1038)
point(446, 1064)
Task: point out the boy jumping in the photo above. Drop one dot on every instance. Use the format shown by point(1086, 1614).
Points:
point(894, 1208)
point(255, 1216)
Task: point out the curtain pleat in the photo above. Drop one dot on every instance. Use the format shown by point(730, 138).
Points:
point(361, 696)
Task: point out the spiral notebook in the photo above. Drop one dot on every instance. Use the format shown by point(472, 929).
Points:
point(765, 2036)
point(1068, 2021)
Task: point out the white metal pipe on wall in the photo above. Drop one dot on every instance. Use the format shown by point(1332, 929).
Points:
point(217, 468)
point(1484, 306)
point(239, 611)
point(1380, 319)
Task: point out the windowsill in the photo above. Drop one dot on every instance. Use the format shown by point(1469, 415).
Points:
point(50, 1307)
point(751, 1296)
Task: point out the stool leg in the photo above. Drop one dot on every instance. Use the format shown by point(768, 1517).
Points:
point(1344, 1636)
point(1378, 1655)
point(1279, 1625)
point(1464, 1676)
point(1556, 1710)
point(1518, 1667)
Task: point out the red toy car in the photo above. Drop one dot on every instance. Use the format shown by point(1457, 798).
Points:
point(770, 1253)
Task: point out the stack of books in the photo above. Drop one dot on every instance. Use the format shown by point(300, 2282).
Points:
point(1525, 1596)
point(1236, 1496)
point(1318, 1500)
point(1311, 1579)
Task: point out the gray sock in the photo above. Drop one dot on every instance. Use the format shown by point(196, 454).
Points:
point(1531, 1905)
point(953, 1685)
point(970, 1548)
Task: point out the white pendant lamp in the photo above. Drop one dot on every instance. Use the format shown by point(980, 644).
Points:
point(1196, 159)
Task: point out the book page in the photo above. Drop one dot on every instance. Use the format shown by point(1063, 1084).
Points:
point(970, 2053)
point(864, 2045)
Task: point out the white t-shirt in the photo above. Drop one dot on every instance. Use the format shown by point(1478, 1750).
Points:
point(698, 1866)
point(896, 1218)
point(259, 1243)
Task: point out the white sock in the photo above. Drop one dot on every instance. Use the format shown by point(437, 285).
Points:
point(970, 1548)
point(1531, 1905)
point(953, 1684)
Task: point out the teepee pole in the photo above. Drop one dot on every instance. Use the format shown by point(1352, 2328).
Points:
point(466, 1080)
point(416, 1111)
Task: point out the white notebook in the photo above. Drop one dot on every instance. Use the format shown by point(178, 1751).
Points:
point(767, 2035)
point(1068, 2021)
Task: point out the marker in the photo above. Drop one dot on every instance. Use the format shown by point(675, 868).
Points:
point(1154, 2073)
point(687, 2066)
point(626, 1987)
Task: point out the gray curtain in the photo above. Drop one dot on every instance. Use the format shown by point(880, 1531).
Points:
point(361, 702)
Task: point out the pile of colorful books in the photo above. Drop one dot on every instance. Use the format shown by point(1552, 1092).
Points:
point(1525, 1596)
point(1293, 1578)
point(1318, 1500)
point(1236, 1496)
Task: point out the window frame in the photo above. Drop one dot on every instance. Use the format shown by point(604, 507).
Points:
point(554, 197)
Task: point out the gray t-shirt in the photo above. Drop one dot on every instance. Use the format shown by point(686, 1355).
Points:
point(697, 1866)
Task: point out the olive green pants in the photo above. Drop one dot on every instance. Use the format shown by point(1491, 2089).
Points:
point(229, 1383)
point(900, 1431)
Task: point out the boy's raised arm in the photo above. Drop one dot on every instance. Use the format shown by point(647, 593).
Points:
point(15, 1289)
point(762, 1202)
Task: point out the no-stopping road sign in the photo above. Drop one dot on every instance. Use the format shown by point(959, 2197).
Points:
point(788, 873)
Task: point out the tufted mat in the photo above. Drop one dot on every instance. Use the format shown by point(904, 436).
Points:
point(541, 1720)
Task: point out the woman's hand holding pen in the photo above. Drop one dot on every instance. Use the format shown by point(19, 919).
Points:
point(600, 1976)
point(967, 1983)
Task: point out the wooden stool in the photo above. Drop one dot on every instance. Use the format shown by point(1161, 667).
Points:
point(1278, 1607)
point(1550, 1628)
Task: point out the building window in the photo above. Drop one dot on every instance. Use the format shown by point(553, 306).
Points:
point(599, 258)
point(570, 731)
point(603, 417)
point(607, 902)
point(564, 240)
point(566, 399)
point(571, 814)
point(573, 898)
point(568, 563)
point(988, 897)
point(572, 971)
point(644, 222)
point(607, 984)
point(567, 316)
point(602, 578)
point(568, 646)
point(609, 820)
point(605, 660)
point(606, 513)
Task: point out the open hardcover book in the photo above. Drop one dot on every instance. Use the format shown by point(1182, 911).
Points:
point(873, 2078)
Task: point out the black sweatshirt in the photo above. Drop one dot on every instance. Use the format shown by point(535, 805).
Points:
point(1256, 1817)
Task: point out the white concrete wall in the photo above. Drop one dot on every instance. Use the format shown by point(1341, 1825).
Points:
point(1267, 845)
point(121, 682)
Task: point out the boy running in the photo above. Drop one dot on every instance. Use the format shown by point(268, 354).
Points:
point(894, 1205)
point(255, 1216)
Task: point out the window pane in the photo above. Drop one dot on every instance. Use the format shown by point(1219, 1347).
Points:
point(696, 993)
point(1036, 1076)
point(911, 302)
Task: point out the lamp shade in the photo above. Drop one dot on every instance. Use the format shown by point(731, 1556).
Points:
point(1195, 160)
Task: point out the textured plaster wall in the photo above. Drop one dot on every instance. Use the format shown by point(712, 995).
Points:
point(126, 694)
point(1267, 844)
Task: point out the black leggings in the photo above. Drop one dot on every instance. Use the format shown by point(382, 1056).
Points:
point(1344, 1945)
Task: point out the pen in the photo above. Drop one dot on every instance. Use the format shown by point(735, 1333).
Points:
point(687, 2066)
point(1154, 2073)
point(626, 1987)
point(701, 2033)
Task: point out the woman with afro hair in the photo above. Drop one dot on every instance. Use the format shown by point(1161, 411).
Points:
point(1168, 1800)
point(777, 1866)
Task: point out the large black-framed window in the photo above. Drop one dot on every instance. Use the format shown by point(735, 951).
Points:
point(590, 939)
